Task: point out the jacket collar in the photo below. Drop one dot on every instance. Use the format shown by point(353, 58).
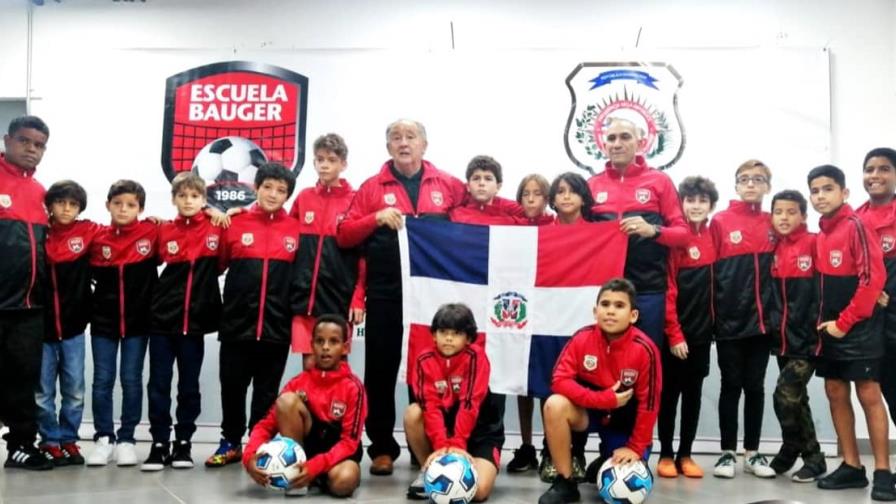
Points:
point(12, 169)
point(744, 208)
point(635, 168)
point(342, 189)
point(828, 223)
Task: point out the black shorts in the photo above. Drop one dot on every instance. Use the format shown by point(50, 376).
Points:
point(323, 436)
point(483, 442)
point(849, 370)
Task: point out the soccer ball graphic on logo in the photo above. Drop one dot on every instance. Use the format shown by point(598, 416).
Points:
point(630, 483)
point(278, 458)
point(228, 166)
point(450, 479)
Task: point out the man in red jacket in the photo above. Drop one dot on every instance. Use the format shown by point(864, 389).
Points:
point(23, 226)
point(405, 185)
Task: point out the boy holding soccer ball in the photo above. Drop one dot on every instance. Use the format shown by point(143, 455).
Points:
point(606, 380)
point(323, 408)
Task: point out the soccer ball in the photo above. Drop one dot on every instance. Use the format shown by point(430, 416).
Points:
point(228, 165)
point(630, 483)
point(450, 479)
point(279, 459)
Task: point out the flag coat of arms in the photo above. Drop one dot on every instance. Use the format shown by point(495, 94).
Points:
point(530, 288)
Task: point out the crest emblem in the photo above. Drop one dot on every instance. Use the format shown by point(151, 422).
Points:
point(247, 239)
point(222, 105)
point(628, 377)
point(694, 252)
point(436, 197)
point(642, 195)
point(509, 310)
point(389, 198)
point(107, 252)
point(590, 362)
point(735, 237)
point(644, 93)
point(76, 244)
point(172, 247)
point(289, 243)
point(455, 384)
point(836, 258)
point(441, 386)
point(887, 242)
point(309, 217)
point(5, 200)
point(804, 262)
point(337, 409)
point(144, 247)
point(601, 197)
point(211, 241)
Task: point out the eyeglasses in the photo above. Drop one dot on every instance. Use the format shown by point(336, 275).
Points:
point(755, 179)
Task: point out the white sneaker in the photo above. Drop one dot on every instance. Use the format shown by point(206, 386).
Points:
point(102, 452)
point(126, 454)
point(416, 490)
point(725, 466)
point(756, 464)
point(297, 492)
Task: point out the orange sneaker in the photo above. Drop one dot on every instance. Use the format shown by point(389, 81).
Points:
point(666, 468)
point(690, 468)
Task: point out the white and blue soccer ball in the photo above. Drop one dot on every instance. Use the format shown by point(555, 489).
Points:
point(450, 479)
point(625, 484)
point(279, 459)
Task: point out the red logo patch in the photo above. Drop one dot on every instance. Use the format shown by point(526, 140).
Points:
point(642, 195)
point(337, 409)
point(887, 242)
point(211, 241)
point(144, 247)
point(289, 243)
point(836, 258)
point(804, 262)
point(76, 244)
point(628, 377)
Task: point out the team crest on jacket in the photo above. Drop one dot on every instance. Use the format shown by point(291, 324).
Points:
point(5, 200)
point(107, 252)
point(628, 377)
point(644, 93)
point(642, 196)
point(289, 243)
point(337, 409)
point(389, 198)
point(804, 262)
point(601, 197)
point(887, 242)
point(309, 217)
point(144, 247)
point(436, 197)
point(455, 384)
point(441, 386)
point(836, 258)
point(694, 252)
point(76, 244)
point(735, 237)
point(211, 241)
point(590, 362)
point(248, 239)
point(172, 247)
point(509, 310)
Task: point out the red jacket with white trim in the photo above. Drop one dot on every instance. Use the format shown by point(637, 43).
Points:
point(851, 277)
point(334, 397)
point(68, 261)
point(689, 310)
point(258, 250)
point(500, 212)
point(882, 219)
point(23, 233)
point(444, 384)
point(589, 366)
point(648, 193)
point(123, 266)
point(188, 298)
point(794, 311)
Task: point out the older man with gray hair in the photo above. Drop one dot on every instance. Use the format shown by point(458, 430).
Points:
point(405, 185)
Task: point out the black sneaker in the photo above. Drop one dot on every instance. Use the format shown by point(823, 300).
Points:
point(810, 472)
point(180, 455)
point(524, 459)
point(783, 461)
point(846, 476)
point(562, 491)
point(593, 467)
point(159, 457)
point(74, 453)
point(27, 457)
point(882, 489)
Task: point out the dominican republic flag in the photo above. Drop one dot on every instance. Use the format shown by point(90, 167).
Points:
point(530, 288)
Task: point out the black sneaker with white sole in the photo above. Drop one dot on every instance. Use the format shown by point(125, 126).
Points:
point(180, 455)
point(562, 491)
point(882, 489)
point(845, 476)
point(27, 457)
point(158, 458)
point(810, 472)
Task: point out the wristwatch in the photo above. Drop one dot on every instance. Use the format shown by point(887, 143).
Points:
point(657, 229)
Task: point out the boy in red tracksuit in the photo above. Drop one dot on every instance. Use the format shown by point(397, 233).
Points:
point(123, 268)
point(482, 204)
point(744, 241)
point(794, 341)
point(257, 250)
point(323, 408)
point(455, 410)
point(851, 279)
point(185, 307)
point(607, 380)
point(326, 278)
point(689, 331)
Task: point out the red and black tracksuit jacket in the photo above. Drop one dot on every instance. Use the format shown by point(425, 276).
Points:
point(258, 250)
point(439, 193)
point(123, 267)
point(325, 276)
point(589, 366)
point(334, 397)
point(500, 212)
point(689, 309)
point(882, 219)
point(793, 312)
point(648, 193)
point(452, 387)
point(23, 233)
point(745, 242)
point(851, 278)
point(68, 261)
point(187, 299)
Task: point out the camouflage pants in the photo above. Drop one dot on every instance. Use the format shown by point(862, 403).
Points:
point(791, 400)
